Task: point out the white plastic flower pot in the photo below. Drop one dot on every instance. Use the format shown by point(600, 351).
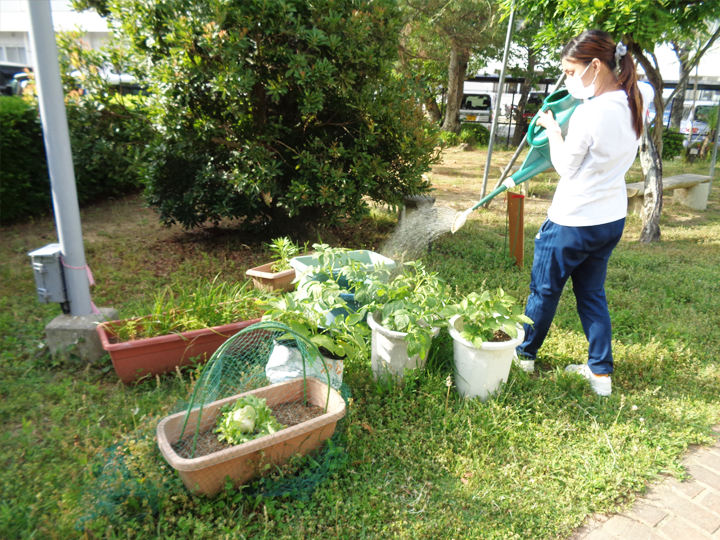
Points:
point(286, 363)
point(389, 354)
point(479, 372)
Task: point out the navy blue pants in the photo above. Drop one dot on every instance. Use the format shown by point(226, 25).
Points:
point(580, 253)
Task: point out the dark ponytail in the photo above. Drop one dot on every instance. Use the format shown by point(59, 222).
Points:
point(628, 80)
point(593, 44)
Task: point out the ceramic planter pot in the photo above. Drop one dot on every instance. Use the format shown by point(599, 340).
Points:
point(389, 354)
point(264, 278)
point(206, 475)
point(134, 360)
point(479, 372)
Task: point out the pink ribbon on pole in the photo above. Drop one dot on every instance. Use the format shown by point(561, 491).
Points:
point(91, 281)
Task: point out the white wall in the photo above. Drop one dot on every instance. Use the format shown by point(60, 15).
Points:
point(15, 27)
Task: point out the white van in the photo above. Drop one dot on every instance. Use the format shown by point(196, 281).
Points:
point(476, 107)
point(697, 118)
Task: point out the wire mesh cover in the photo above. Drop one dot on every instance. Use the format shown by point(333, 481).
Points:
point(289, 376)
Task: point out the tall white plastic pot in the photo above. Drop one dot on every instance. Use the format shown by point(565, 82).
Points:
point(479, 372)
point(389, 354)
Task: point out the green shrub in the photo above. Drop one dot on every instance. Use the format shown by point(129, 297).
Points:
point(448, 138)
point(278, 110)
point(672, 144)
point(24, 181)
point(109, 132)
point(109, 136)
point(477, 134)
point(108, 147)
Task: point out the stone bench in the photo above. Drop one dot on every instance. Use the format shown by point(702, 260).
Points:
point(692, 190)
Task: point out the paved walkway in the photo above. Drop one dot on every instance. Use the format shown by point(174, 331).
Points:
point(671, 510)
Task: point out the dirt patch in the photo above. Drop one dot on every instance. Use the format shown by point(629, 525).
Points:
point(499, 336)
point(288, 414)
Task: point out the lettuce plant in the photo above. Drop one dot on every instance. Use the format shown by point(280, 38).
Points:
point(249, 418)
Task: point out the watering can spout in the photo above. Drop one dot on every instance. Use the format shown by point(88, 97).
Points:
point(562, 105)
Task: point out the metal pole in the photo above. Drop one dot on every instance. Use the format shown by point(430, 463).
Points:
point(59, 155)
point(715, 146)
point(512, 104)
point(497, 103)
point(691, 118)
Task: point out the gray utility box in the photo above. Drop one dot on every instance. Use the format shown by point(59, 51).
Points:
point(49, 277)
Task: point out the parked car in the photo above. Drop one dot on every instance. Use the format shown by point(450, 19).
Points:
point(534, 102)
point(666, 113)
point(697, 118)
point(11, 77)
point(476, 108)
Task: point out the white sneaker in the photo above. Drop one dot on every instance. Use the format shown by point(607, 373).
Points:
point(525, 364)
point(602, 386)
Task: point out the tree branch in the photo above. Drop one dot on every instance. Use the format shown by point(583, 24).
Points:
point(695, 61)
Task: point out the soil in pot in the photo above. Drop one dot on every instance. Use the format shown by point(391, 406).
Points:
point(288, 414)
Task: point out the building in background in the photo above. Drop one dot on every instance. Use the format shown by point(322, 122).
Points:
point(15, 47)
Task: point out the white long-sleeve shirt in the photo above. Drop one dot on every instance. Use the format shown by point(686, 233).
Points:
point(598, 150)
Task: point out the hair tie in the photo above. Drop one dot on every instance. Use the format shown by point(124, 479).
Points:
point(620, 51)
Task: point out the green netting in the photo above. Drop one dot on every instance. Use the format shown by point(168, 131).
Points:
point(270, 361)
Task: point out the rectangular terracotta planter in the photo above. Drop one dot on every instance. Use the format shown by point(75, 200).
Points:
point(140, 358)
point(206, 475)
point(264, 278)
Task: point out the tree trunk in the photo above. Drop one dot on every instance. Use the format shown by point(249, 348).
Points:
point(525, 87)
point(653, 198)
point(433, 111)
point(706, 143)
point(682, 51)
point(457, 69)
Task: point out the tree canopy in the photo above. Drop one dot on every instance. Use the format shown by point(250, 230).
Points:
point(276, 109)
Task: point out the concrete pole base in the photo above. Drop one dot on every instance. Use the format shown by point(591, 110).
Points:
point(78, 334)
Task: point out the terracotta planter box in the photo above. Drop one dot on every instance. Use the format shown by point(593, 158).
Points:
point(264, 278)
point(140, 358)
point(206, 475)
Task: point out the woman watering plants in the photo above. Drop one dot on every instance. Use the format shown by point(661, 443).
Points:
point(587, 215)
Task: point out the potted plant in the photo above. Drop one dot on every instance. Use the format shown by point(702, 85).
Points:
point(335, 263)
point(405, 317)
point(277, 275)
point(318, 312)
point(485, 328)
point(204, 467)
point(187, 324)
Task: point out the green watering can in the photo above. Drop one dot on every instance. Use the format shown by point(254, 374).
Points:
point(562, 104)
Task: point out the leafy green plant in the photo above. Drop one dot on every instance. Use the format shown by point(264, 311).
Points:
point(488, 316)
point(448, 138)
point(411, 303)
point(672, 144)
point(181, 308)
point(283, 249)
point(306, 312)
point(249, 418)
point(334, 263)
point(474, 134)
point(24, 184)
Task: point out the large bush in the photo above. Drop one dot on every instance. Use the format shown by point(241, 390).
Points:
point(109, 136)
point(277, 109)
point(24, 183)
point(109, 131)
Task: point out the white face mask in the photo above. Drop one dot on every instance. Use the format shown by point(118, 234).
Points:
point(576, 87)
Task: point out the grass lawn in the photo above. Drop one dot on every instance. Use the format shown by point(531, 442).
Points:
point(531, 463)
